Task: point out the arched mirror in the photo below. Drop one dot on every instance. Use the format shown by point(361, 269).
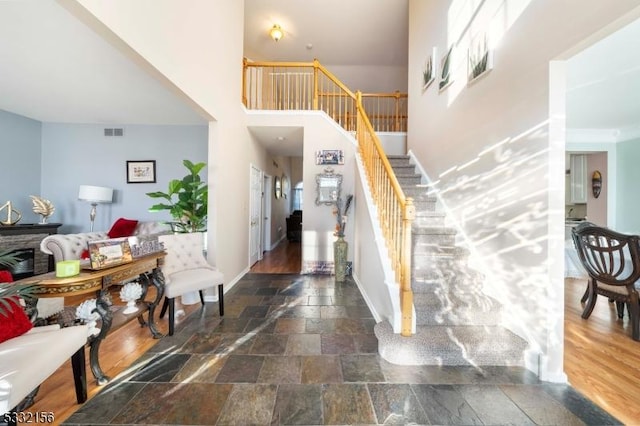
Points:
point(277, 188)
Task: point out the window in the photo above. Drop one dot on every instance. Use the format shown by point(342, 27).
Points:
point(297, 197)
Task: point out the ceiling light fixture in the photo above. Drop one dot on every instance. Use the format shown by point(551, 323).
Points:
point(276, 32)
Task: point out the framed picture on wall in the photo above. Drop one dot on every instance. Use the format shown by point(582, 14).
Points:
point(330, 157)
point(141, 171)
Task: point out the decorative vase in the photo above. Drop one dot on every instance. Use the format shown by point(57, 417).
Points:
point(130, 293)
point(340, 249)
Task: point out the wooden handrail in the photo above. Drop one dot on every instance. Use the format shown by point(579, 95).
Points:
point(310, 86)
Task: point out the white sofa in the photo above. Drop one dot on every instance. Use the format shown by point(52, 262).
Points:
point(27, 360)
point(71, 246)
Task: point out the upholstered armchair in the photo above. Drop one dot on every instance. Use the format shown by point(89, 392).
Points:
point(27, 360)
point(185, 270)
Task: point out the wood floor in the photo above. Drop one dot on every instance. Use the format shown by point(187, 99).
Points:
point(601, 360)
point(286, 258)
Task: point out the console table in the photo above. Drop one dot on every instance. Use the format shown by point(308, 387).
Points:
point(146, 269)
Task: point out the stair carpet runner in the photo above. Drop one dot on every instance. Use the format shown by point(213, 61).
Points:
point(456, 323)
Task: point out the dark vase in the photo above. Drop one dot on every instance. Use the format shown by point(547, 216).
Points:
point(340, 249)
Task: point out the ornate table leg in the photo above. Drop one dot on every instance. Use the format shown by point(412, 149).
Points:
point(102, 308)
point(157, 280)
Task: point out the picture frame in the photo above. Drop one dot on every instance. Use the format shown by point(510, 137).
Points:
point(429, 70)
point(446, 78)
point(328, 187)
point(479, 58)
point(331, 157)
point(141, 171)
point(108, 253)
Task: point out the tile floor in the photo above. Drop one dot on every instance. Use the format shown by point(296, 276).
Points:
point(295, 349)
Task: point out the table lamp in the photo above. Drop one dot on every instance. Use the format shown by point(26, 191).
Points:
point(95, 195)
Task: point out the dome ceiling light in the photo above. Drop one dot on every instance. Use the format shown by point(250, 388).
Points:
point(276, 32)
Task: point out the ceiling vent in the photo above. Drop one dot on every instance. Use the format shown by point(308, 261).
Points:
point(114, 132)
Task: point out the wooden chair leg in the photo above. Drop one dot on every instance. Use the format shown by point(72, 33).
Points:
point(201, 297)
point(172, 315)
point(164, 307)
point(591, 302)
point(585, 296)
point(221, 299)
point(79, 374)
point(620, 309)
point(634, 317)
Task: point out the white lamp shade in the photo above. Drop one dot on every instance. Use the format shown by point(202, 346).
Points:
point(95, 194)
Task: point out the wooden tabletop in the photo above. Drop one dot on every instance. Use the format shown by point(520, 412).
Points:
point(90, 281)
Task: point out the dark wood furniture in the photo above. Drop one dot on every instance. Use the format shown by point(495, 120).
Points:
point(612, 261)
point(294, 226)
point(146, 269)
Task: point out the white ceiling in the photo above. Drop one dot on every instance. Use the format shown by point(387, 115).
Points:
point(55, 69)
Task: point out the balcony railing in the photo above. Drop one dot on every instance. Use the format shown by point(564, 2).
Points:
point(310, 86)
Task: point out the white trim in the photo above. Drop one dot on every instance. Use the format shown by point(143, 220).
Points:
point(227, 286)
point(376, 315)
point(603, 136)
point(274, 245)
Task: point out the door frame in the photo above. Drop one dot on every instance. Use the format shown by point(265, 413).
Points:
point(251, 204)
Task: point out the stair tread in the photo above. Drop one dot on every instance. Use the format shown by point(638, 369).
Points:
point(451, 345)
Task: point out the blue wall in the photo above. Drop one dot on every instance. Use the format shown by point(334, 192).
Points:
point(20, 156)
point(80, 154)
point(628, 191)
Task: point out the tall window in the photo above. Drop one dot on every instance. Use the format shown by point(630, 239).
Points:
point(297, 196)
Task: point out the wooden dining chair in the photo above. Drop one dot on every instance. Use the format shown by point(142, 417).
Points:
point(612, 260)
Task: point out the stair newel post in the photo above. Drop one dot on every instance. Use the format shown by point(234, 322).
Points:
point(397, 112)
point(406, 294)
point(244, 82)
point(316, 65)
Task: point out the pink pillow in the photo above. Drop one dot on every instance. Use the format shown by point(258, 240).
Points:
point(122, 228)
point(13, 323)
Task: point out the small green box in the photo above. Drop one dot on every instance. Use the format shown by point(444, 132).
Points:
point(67, 268)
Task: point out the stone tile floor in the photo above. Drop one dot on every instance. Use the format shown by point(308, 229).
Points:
point(295, 349)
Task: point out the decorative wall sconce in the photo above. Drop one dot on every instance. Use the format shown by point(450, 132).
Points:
point(596, 183)
point(276, 32)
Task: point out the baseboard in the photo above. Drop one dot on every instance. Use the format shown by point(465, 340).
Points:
point(274, 245)
point(227, 286)
point(375, 314)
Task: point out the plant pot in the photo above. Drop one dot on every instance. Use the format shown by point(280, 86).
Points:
point(340, 250)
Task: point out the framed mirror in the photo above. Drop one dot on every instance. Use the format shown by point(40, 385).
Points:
point(277, 188)
point(285, 186)
point(328, 187)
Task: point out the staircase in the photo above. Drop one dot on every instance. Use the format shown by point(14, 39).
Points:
point(456, 323)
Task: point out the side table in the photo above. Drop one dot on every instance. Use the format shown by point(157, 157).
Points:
point(146, 269)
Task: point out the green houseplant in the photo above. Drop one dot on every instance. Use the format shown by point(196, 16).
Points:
point(8, 258)
point(186, 200)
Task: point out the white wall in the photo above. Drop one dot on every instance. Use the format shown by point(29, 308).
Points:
point(499, 152)
point(198, 49)
point(388, 79)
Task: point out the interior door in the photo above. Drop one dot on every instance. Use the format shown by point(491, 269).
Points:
point(255, 208)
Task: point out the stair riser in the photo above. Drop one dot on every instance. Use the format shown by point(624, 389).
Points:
point(428, 221)
point(424, 205)
point(407, 181)
point(460, 317)
point(399, 161)
point(445, 240)
point(405, 169)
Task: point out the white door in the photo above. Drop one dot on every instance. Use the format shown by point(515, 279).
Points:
point(266, 213)
point(255, 208)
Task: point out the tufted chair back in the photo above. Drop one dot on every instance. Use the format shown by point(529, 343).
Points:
point(184, 252)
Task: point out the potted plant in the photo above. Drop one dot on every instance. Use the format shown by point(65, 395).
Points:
point(10, 292)
point(186, 200)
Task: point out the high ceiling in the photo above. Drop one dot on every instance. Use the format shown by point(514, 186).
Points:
point(55, 69)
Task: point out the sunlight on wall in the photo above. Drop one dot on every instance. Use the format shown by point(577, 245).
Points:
point(468, 19)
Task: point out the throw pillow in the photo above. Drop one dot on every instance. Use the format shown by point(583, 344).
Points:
point(13, 322)
point(6, 277)
point(122, 228)
point(84, 254)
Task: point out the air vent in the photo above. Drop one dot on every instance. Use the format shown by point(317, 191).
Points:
point(114, 132)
